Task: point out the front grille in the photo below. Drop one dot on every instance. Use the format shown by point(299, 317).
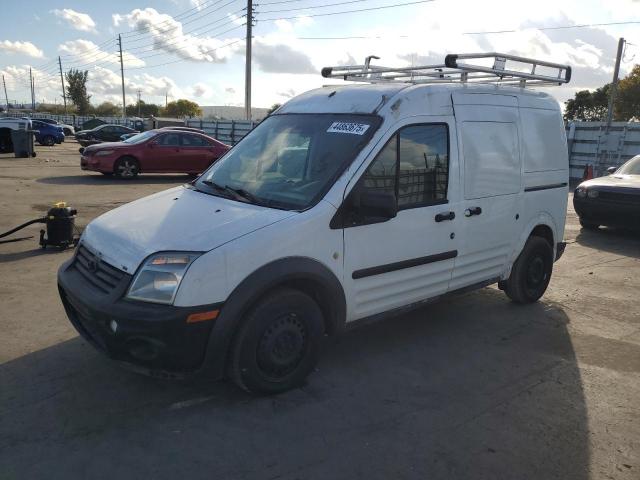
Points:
point(96, 271)
point(620, 197)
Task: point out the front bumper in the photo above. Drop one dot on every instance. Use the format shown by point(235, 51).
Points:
point(606, 212)
point(151, 338)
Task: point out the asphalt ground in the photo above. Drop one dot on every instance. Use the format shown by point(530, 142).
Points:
point(471, 387)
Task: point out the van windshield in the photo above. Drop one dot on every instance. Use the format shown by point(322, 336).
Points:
point(289, 161)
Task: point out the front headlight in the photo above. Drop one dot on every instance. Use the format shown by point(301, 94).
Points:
point(104, 153)
point(158, 279)
point(581, 192)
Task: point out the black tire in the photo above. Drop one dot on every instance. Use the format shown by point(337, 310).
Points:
point(108, 174)
point(67, 132)
point(277, 344)
point(48, 141)
point(126, 167)
point(531, 272)
point(588, 225)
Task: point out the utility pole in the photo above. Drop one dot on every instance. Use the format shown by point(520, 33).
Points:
point(247, 73)
point(64, 94)
point(166, 101)
point(614, 84)
point(124, 105)
point(6, 97)
point(33, 102)
point(139, 93)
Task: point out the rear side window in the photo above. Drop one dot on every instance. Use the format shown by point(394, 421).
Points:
point(169, 140)
point(193, 141)
point(414, 165)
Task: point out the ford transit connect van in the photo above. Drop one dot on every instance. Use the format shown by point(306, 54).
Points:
point(350, 202)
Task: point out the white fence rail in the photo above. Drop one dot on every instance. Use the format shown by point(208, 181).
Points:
point(74, 120)
point(227, 131)
point(590, 145)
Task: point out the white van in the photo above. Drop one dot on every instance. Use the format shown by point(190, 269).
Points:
point(350, 202)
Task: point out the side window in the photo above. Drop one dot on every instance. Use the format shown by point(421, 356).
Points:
point(414, 165)
point(382, 173)
point(424, 165)
point(193, 141)
point(169, 140)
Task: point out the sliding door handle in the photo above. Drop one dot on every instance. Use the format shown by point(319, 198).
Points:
point(441, 217)
point(469, 212)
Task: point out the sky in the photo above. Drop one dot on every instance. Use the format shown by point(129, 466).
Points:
point(195, 49)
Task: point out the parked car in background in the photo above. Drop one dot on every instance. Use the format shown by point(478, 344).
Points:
point(157, 151)
point(613, 200)
point(185, 129)
point(48, 134)
point(67, 129)
point(102, 133)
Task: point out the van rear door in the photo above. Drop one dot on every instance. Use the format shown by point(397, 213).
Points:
point(491, 168)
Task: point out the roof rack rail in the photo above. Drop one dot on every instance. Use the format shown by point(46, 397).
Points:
point(506, 70)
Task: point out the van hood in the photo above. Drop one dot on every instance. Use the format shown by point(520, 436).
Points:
point(179, 219)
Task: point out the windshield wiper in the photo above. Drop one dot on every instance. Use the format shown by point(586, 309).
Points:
point(237, 193)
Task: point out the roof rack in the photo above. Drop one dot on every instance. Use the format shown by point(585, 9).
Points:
point(520, 71)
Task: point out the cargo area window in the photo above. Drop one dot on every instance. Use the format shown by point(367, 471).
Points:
point(414, 165)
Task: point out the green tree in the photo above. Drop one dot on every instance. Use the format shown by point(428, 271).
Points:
point(77, 89)
point(273, 108)
point(628, 96)
point(182, 108)
point(146, 109)
point(588, 106)
point(107, 109)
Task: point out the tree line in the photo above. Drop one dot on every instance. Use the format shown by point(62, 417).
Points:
point(76, 92)
point(593, 105)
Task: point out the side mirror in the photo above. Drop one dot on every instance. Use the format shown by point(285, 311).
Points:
point(151, 144)
point(377, 204)
point(612, 170)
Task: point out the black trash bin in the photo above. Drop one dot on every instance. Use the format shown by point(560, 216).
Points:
point(23, 143)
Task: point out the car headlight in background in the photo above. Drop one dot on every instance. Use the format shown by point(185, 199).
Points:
point(103, 153)
point(592, 193)
point(158, 279)
point(581, 192)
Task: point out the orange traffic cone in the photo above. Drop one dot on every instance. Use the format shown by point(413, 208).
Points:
point(588, 173)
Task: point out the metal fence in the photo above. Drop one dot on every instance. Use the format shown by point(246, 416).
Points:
point(227, 131)
point(74, 120)
point(589, 144)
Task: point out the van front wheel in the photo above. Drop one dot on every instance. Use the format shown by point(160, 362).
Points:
point(278, 343)
point(531, 273)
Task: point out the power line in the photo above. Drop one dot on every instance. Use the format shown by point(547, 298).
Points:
point(563, 27)
point(495, 32)
point(382, 7)
point(183, 59)
point(143, 32)
point(314, 6)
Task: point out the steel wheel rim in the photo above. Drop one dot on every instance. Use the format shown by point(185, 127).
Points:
point(536, 274)
point(282, 346)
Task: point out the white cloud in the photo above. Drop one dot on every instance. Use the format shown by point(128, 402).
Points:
point(24, 48)
point(201, 90)
point(281, 58)
point(85, 51)
point(168, 36)
point(79, 21)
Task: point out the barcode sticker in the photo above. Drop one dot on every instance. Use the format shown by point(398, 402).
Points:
point(347, 127)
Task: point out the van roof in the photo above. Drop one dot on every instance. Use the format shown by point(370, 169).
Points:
point(376, 98)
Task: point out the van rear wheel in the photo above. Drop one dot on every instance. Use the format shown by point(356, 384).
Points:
point(531, 272)
point(277, 345)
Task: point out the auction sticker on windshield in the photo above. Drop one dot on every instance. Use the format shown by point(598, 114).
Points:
point(348, 127)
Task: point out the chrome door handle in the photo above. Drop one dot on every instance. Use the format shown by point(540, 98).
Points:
point(469, 212)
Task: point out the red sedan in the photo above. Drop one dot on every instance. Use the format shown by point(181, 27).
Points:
point(155, 151)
